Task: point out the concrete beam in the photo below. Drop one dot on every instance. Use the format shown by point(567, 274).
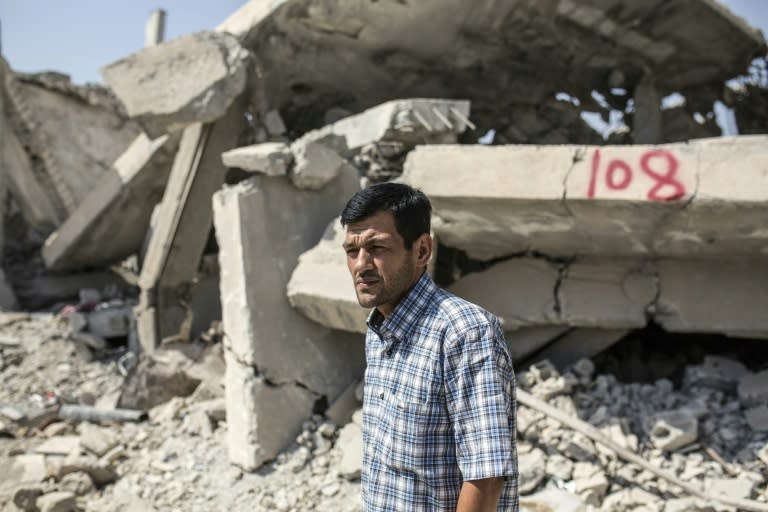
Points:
point(110, 223)
point(183, 227)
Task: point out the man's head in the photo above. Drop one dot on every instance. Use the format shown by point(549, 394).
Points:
point(388, 244)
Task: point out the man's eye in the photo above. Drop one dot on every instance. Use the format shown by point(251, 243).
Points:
point(352, 252)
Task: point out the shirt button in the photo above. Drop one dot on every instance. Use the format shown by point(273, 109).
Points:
point(381, 395)
point(389, 352)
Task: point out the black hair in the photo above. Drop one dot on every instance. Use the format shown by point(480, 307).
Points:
point(409, 206)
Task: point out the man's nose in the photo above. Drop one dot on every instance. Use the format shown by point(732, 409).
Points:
point(363, 261)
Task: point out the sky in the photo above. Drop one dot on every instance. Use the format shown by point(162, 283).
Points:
point(77, 37)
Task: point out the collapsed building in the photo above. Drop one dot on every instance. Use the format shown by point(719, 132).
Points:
point(219, 179)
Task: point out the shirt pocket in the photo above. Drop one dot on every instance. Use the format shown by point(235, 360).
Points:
point(405, 437)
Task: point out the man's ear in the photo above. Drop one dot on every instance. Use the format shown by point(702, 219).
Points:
point(423, 249)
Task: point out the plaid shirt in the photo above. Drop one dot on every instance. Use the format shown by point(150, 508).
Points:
point(439, 404)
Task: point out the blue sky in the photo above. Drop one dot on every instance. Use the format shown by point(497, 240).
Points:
point(77, 37)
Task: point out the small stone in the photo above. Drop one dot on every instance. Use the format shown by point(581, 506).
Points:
point(672, 430)
point(327, 429)
point(350, 442)
point(559, 467)
point(60, 501)
point(26, 497)
point(322, 444)
point(532, 470)
point(97, 440)
point(330, 490)
point(78, 483)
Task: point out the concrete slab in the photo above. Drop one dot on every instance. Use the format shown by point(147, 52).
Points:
point(713, 296)
point(520, 291)
point(262, 226)
point(37, 206)
point(317, 284)
point(270, 158)
point(324, 360)
point(77, 132)
point(668, 200)
point(183, 226)
point(262, 417)
point(607, 293)
point(110, 223)
point(416, 120)
point(191, 79)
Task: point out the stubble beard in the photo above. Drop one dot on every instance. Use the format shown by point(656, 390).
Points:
point(391, 291)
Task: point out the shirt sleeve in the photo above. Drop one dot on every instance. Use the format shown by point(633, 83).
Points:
point(480, 396)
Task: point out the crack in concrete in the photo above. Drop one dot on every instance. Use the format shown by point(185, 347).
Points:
point(578, 156)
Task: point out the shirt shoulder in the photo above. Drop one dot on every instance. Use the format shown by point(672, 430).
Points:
point(457, 316)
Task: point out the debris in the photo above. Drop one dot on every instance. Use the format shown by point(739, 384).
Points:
point(350, 442)
point(269, 158)
point(672, 430)
point(154, 83)
point(57, 501)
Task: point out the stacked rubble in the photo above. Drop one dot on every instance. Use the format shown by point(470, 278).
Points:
point(699, 429)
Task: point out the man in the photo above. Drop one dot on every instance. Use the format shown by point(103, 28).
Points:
point(439, 402)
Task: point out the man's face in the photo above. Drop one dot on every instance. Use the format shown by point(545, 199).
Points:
point(382, 269)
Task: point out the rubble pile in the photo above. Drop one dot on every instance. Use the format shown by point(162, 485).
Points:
point(701, 430)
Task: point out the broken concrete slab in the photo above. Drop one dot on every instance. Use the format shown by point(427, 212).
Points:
point(588, 200)
point(110, 223)
point(97, 440)
point(243, 219)
point(191, 79)
point(412, 121)
point(316, 286)
point(28, 191)
point(322, 360)
point(173, 256)
point(316, 164)
point(266, 417)
point(59, 445)
point(76, 132)
point(607, 293)
point(270, 158)
point(713, 296)
point(520, 291)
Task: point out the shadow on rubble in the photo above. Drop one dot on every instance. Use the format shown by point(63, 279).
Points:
point(649, 354)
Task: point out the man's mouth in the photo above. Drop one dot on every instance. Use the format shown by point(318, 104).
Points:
point(366, 281)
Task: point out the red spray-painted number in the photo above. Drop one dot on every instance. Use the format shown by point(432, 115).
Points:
point(619, 175)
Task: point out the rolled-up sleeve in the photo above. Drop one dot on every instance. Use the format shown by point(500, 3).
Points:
point(480, 397)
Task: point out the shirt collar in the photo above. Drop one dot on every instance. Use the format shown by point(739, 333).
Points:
point(400, 322)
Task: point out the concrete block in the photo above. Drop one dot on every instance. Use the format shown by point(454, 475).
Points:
point(520, 291)
point(552, 499)
point(716, 372)
point(577, 344)
point(317, 286)
point(262, 417)
point(713, 296)
point(753, 389)
point(59, 445)
point(316, 164)
point(672, 430)
point(110, 223)
point(350, 442)
point(757, 418)
point(606, 293)
point(270, 158)
point(57, 501)
point(260, 325)
point(737, 488)
point(97, 440)
point(191, 79)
